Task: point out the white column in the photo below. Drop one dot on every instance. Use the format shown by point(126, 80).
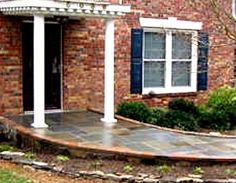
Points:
point(39, 72)
point(109, 73)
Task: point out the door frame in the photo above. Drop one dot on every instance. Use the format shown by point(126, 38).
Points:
point(61, 69)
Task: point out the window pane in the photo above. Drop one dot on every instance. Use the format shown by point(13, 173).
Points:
point(154, 45)
point(181, 73)
point(181, 46)
point(154, 74)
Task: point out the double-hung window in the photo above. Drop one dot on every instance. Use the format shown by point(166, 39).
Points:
point(168, 56)
point(169, 61)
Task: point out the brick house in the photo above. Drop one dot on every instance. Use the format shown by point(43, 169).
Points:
point(72, 54)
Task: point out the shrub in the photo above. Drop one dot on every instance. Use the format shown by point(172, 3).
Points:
point(214, 119)
point(158, 117)
point(222, 103)
point(134, 110)
point(181, 120)
point(174, 119)
point(183, 105)
point(222, 99)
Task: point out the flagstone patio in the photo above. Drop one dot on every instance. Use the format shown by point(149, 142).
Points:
point(84, 130)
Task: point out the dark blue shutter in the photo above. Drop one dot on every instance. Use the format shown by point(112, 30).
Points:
point(203, 44)
point(136, 60)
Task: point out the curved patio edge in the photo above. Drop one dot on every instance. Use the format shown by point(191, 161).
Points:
point(167, 129)
point(9, 124)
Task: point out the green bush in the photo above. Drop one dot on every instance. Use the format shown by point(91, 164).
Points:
point(181, 120)
point(174, 119)
point(134, 110)
point(222, 99)
point(214, 119)
point(219, 113)
point(158, 117)
point(222, 104)
point(183, 105)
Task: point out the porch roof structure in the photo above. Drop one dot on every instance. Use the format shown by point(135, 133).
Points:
point(71, 8)
point(39, 10)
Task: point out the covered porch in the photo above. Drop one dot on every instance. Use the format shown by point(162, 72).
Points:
point(41, 10)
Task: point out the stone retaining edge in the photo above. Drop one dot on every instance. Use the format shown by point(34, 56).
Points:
point(142, 178)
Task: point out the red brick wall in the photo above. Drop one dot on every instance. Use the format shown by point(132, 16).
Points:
point(83, 63)
point(10, 66)
point(83, 54)
point(221, 51)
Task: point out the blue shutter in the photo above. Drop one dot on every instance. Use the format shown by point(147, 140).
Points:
point(136, 60)
point(203, 44)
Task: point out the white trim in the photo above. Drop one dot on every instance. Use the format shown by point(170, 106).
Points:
point(194, 62)
point(50, 111)
point(168, 66)
point(170, 23)
point(234, 8)
point(63, 8)
point(46, 22)
point(170, 90)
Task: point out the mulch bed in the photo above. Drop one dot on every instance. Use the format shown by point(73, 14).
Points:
point(122, 165)
point(118, 165)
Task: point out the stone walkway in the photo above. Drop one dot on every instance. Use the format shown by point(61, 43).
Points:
point(84, 130)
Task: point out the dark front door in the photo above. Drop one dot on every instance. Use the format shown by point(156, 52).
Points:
point(52, 66)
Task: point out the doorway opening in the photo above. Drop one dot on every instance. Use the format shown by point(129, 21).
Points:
point(52, 66)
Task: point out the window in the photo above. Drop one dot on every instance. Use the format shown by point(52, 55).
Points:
point(169, 61)
point(168, 56)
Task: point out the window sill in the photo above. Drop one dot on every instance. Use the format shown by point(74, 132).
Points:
point(173, 90)
point(154, 95)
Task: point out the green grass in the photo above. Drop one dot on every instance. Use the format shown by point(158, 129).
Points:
point(6, 147)
point(8, 176)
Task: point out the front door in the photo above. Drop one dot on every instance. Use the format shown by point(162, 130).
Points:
point(52, 66)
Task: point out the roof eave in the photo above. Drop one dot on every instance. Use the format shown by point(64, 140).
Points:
point(62, 8)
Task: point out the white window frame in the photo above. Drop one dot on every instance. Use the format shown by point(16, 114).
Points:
point(234, 8)
point(167, 26)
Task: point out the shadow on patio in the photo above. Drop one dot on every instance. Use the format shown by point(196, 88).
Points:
point(83, 130)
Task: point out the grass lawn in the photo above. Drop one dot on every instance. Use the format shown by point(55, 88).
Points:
point(9, 176)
